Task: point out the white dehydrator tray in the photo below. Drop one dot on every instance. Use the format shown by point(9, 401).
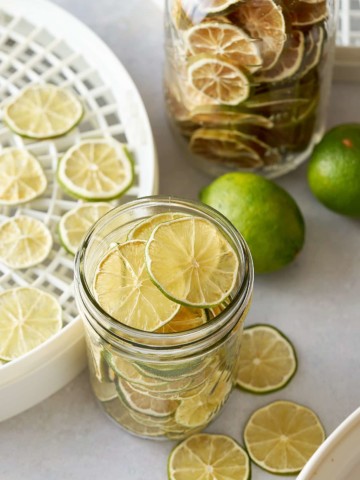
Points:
point(40, 42)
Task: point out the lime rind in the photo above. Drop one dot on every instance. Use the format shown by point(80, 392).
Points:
point(291, 373)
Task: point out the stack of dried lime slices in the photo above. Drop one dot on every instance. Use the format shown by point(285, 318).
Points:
point(100, 169)
point(243, 78)
point(173, 274)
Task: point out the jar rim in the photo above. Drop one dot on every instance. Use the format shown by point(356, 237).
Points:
point(116, 331)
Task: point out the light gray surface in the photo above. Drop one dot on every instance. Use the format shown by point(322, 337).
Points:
point(315, 301)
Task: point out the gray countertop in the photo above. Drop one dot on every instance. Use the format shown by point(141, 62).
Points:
point(315, 301)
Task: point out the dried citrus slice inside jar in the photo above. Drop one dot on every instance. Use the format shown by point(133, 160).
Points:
point(21, 177)
point(125, 291)
point(263, 20)
point(144, 229)
point(314, 42)
point(43, 111)
point(186, 319)
point(191, 262)
point(220, 81)
point(303, 14)
point(227, 41)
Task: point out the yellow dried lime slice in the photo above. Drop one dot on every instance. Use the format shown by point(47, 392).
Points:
point(186, 319)
point(76, 222)
point(96, 170)
point(209, 457)
point(125, 291)
point(263, 20)
point(224, 40)
point(199, 410)
point(144, 402)
point(267, 360)
point(282, 436)
point(21, 177)
point(219, 81)
point(215, 6)
point(43, 111)
point(289, 61)
point(144, 229)
point(24, 242)
point(191, 262)
point(225, 145)
point(28, 317)
point(303, 14)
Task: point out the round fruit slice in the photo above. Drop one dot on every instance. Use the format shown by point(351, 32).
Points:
point(21, 177)
point(303, 13)
point(282, 436)
point(208, 457)
point(263, 20)
point(144, 402)
point(125, 291)
point(76, 222)
point(227, 41)
point(220, 81)
point(43, 111)
point(289, 61)
point(314, 41)
point(185, 319)
point(28, 317)
point(191, 262)
point(225, 145)
point(199, 410)
point(223, 116)
point(216, 6)
point(144, 229)
point(267, 360)
point(96, 170)
point(24, 242)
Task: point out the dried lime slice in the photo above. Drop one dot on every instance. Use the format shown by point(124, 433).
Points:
point(145, 402)
point(125, 291)
point(224, 40)
point(267, 360)
point(28, 317)
point(216, 6)
point(209, 457)
point(263, 20)
point(76, 222)
point(191, 262)
point(282, 436)
point(24, 242)
point(144, 229)
point(219, 81)
point(96, 170)
point(289, 61)
point(222, 116)
point(186, 319)
point(303, 14)
point(314, 42)
point(21, 177)
point(43, 111)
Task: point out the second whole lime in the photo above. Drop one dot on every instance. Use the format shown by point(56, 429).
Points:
point(264, 213)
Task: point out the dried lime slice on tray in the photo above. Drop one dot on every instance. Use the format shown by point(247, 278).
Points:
point(21, 177)
point(96, 170)
point(77, 221)
point(24, 242)
point(282, 436)
point(191, 262)
point(124, 289)
point(225, 40)
point(219, 81)
point(28, 317)
point(209, 457)
point(267, 360)
point(43, 111)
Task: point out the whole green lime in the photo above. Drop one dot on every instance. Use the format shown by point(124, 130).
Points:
point(264, 213)
point(334, 170)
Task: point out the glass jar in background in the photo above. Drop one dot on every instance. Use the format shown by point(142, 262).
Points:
point(247, 81)
point(161, 385)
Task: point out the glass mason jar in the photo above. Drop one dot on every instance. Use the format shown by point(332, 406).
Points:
point(161, 385)
point(247, 81)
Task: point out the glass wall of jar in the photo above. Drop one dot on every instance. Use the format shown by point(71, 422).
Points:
point(247, 81)
point(153, 384)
